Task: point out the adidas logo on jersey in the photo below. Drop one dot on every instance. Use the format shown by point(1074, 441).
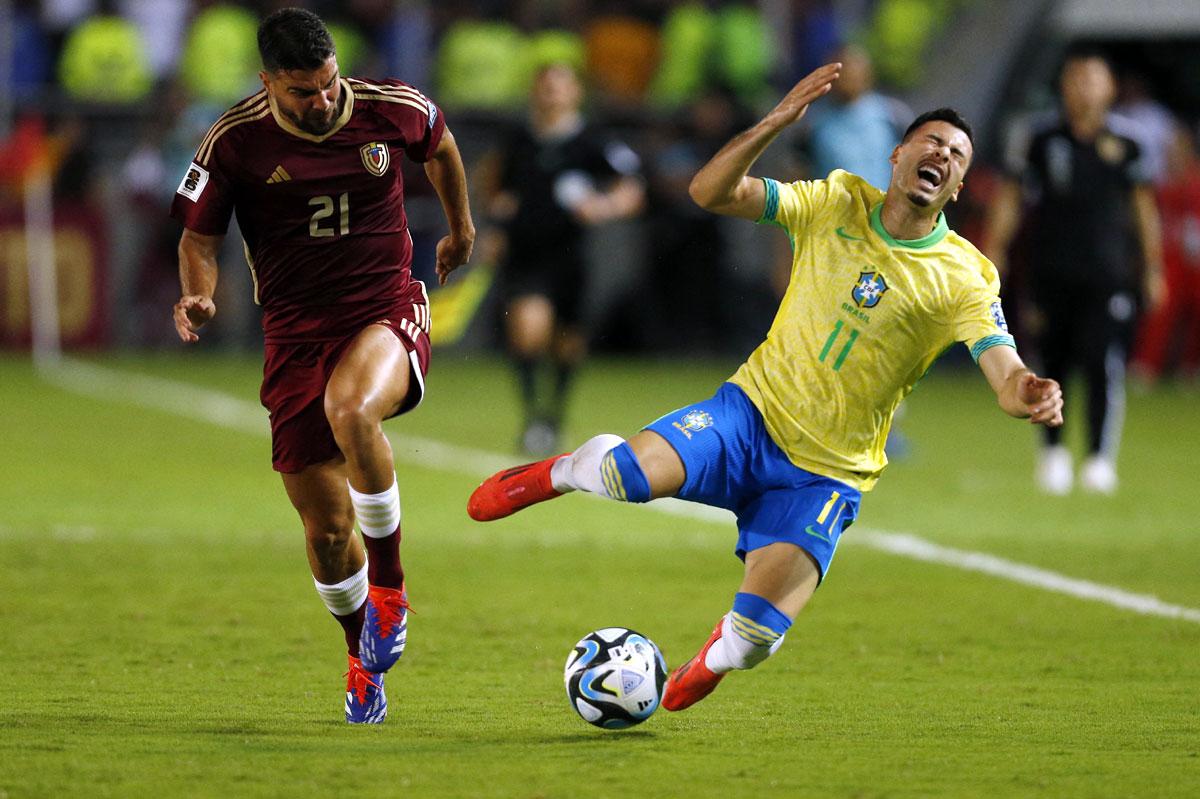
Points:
point(279, 175)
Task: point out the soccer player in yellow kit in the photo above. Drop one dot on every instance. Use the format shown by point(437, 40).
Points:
point(879, 287)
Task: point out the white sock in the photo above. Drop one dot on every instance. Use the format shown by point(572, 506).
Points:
point(731, 651)
point(345, 597)
point(581, 469)
point(378, 514)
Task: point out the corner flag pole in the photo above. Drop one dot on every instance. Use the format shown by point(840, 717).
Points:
point(39, 221)
point(42, 265)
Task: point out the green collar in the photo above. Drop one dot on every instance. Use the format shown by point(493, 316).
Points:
point(937, 234)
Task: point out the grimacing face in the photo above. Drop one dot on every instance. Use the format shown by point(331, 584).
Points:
point(928, 168)
point(309, 99)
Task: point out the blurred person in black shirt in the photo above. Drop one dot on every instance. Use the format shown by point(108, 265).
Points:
point(1094, 251)
point(554, 178)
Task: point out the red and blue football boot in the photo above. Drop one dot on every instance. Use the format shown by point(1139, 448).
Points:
point(365, 701)
point(385, 628)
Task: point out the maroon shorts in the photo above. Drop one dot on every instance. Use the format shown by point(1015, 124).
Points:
point(294, 380)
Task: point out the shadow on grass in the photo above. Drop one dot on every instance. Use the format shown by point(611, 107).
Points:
point(601, 737)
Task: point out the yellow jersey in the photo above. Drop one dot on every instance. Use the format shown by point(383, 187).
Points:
point(863, 319)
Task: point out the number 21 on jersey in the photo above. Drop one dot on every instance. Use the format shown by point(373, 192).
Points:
point(325, 209)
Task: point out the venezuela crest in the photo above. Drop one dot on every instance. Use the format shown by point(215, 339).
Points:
point(375, 157)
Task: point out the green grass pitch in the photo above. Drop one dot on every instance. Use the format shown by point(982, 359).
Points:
point(161, 636)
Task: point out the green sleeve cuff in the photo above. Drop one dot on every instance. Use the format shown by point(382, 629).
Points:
point(771, 206)
point(987, 342)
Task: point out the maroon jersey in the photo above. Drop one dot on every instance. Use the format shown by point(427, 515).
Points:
point(322, 216)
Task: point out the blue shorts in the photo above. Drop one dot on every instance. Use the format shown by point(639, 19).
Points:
point(732, 462)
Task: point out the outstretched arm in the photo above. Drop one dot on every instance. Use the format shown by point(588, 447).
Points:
point(722, 185)
point(1149, 228)
point(198, 281)
point(622, 199)
point(449, 178)
point(1019, 391)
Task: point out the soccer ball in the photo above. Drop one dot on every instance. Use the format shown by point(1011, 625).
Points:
point(615, 677)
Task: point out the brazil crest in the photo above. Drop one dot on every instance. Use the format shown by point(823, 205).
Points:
point(375, 157)
point(869, 289)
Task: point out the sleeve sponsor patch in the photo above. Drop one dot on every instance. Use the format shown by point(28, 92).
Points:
point(432, 112)
point(193, 182)
point(998, 316)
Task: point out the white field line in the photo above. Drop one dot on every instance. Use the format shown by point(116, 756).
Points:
point(223, 410)
point(910, 546)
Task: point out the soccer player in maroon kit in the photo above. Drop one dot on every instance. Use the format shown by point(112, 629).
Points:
point(306, 164)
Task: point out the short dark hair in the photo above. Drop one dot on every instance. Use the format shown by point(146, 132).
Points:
point(1084, 51)
point(293, 38)
point(941, 115)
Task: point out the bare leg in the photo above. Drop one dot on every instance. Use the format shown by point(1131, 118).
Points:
point(320, 497)
point(530, 329)
point(371, 382)
point(530, 326)
point(570, 348)
point(368, 385)
point(660, 463)
point(783, 574)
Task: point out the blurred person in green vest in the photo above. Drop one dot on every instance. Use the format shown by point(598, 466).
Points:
point(104, 60)
point(730, 46)
point(480, 65)
point(219, 53)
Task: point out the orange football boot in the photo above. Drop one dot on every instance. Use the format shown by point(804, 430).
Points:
point(506, 492)
point(693, 681)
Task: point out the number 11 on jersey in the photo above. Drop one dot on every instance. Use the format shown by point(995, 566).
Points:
point(841, 356)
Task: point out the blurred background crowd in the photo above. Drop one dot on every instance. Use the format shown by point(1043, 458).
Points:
point(113, 96)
